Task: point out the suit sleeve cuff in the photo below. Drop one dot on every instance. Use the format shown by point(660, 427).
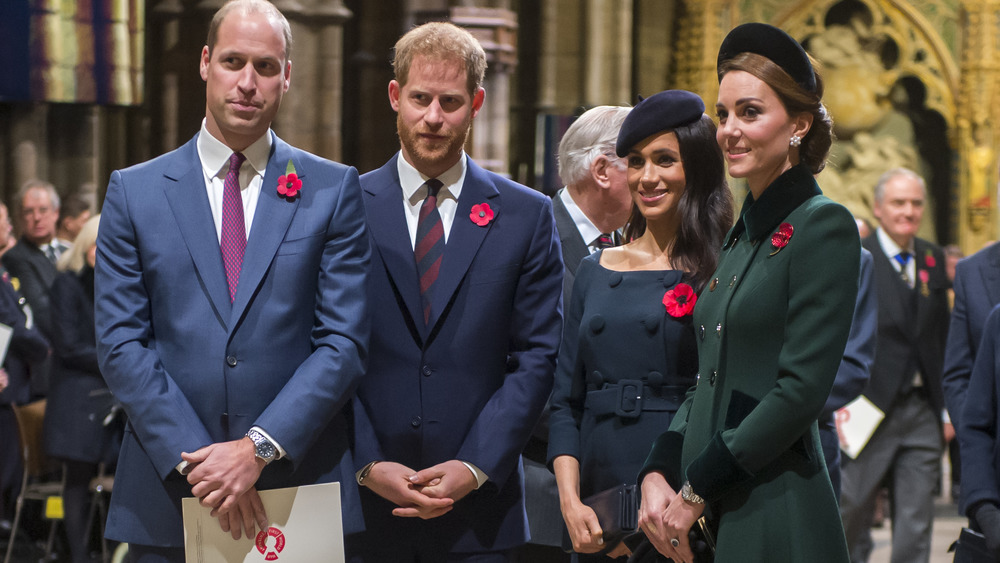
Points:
point(716, 471)
point(481, 478)
point(277, 446)
point(665, 457)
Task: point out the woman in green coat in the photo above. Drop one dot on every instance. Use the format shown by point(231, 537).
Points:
point(771, 329)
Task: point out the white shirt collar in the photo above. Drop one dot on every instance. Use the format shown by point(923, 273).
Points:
point(412, 180)
point(214, 154)
point(889, 246)
point(588, 231)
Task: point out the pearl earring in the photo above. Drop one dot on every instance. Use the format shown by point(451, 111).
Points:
point(795, 141)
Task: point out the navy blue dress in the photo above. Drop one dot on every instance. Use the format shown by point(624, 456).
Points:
point(624, 367)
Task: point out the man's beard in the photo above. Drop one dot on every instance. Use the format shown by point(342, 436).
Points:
point(443, 149)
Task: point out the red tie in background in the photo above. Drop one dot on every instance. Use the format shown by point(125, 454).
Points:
point(430, 244)
point(234, 235)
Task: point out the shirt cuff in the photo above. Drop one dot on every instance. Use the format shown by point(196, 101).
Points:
point(481, 477)
point(277, 446)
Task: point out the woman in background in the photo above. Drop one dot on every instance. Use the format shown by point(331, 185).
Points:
point(628, 350)
point(82, 428)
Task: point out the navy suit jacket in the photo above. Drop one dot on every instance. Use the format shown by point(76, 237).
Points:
point(979, 442)
point(471, 384)
point(977, 291)
point(574, 248)
point(27, 345)
point(191, 368)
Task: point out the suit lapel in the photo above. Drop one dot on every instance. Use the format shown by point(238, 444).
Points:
point(465, 237)
point(991, 274)
point(574, 248)
point(188, 201)
point(387, 225)
point(270, 223)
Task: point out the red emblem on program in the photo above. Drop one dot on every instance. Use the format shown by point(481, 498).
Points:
point(270, 552)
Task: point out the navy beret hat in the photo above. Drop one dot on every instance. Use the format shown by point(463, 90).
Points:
point(661, 111)
point(774, 44)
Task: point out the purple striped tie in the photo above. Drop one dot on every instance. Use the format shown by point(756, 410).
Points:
point(234, 238)
point(430, 244)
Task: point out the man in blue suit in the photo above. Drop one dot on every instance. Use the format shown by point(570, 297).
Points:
point(232, 318)
point(465, 291)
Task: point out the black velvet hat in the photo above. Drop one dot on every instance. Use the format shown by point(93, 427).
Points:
point(661, 111)
point(773, 43)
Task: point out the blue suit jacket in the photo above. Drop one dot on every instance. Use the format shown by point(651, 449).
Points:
point(471, 384)
point(191, 368)
point(977, 290)
point(979, 442)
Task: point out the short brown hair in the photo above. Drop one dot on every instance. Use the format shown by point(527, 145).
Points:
point(441, 41)
point(248, 7)
point(816, 144)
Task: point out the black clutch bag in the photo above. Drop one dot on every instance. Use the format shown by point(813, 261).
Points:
point(617, 511)
point(971, 548)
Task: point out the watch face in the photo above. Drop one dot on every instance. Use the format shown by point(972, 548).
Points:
point(265, 450)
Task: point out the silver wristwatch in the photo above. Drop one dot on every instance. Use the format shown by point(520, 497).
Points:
point(688, 494)
point(263, 447)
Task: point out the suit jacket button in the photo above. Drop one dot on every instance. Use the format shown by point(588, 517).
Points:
point(231, 360)
point(415, 422)
point(426, 370)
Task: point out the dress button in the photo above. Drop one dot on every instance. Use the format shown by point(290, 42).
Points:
point(426, 370)
point(596, 324)
point(595, 378)
point(415, 422)
point(615, 279)
point(231, 360)
point(655, 379)
point(711, 378)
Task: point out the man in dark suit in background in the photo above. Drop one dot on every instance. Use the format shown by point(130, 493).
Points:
point(465, 291)
point(32, 261)
point(589, 212)
point(231, 315)
point(905, 381)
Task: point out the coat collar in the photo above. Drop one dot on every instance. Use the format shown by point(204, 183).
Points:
point(188, 200)
point(759, 218)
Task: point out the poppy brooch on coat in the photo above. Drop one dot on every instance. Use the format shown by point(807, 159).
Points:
point(289, 185)
point(781, 237)
point(481, 214)
point(680, 300)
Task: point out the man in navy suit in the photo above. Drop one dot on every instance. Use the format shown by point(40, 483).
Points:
point(232, 318)
point(465, 291)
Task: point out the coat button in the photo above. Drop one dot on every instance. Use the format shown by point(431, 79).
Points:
point(426, 370)
point(415, 422)
point(231, 360)
point(711, 378)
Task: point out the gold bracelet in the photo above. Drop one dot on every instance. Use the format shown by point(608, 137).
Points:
point(365, 471)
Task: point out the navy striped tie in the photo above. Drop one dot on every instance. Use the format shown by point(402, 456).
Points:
point(430, 244)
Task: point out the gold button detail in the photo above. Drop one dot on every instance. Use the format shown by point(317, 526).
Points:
point(713, 285)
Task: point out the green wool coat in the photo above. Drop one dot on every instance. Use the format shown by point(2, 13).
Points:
point(771, 327)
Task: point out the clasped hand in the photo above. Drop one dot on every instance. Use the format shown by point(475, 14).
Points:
point(222, 476)
point(664, 516)
point(426, 494)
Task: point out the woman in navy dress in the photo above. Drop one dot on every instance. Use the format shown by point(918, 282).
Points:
point(81, 428)
point(628, 353)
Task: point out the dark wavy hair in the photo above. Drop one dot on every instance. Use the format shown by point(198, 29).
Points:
point(816, 144)
point(705, 208)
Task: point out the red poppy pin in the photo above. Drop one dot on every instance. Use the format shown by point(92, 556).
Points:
point(781, 237)
point(481, 214)
point(680, 300)
point(289, 184)
point(929, 259)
